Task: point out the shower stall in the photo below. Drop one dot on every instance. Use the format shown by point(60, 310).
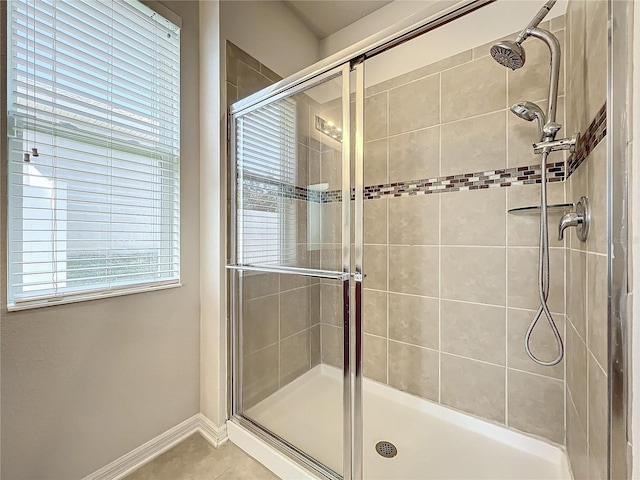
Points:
point(390, 249)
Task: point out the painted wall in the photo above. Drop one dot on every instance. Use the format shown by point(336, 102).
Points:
point(271, 33)
point(88, 382)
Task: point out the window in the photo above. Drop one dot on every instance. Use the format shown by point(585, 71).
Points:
point(266, 163)
point(94, 142)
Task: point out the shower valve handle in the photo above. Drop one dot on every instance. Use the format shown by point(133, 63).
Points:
point(580, 219)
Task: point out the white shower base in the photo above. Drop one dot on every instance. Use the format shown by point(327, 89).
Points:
point(433, 441)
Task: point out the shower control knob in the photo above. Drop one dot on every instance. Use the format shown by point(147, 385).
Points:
point(580, 219)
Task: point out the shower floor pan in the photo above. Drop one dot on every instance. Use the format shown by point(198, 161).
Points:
point(432, 441)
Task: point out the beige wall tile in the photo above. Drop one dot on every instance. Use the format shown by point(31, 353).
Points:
point(597, 193)
point(315, 346)
point(474, 217)
point(294, 311)
point(260, 323)
point(375, 117)
point(472, 89)
point(414, 105)
point(374, 358)
point(260, 375)
point(331, 169)
point(375, 266)
point(474, 331)
point(314, 166)
point(375, 221)
point(331, 223)
point(302, 165)
point(522, 278)
point(597, 307)
point(375, 162)
point(331, 345)
point(414, 220)
point(523, 229)
point(474, 274)
point(232, 94)
point(331, 302)
point(259, 284)
point(473, 387)
point(543, 343)
point(474, 144)
point(289, 282)
point(414, 155)
point(302, 118)
point(414, 320)
point(536, 405)
point(413, 270)
point(531, 82)
point(598, 407)
point(295, 357)
point(413, 370)
point(375, 312)
point(576, 188)
point(596, 46)
point(577, 447)
point(577, 373)
point(250, 80)
point(576, 290)
point(331, 257)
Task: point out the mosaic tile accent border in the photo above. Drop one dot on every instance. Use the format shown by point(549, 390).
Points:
point(458, 183)
point(594, 134)
point(255, 186)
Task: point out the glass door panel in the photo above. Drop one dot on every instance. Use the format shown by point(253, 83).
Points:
point(291, 271)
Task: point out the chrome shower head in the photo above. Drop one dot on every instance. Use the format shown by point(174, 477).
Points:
point(529, 111)
point(508, 53)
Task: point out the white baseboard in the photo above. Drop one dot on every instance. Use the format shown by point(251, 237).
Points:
point(142, 455)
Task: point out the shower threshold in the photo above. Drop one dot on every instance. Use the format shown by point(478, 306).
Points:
point(432, 441)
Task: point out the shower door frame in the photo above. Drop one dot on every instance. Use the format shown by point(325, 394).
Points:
point(352, 59)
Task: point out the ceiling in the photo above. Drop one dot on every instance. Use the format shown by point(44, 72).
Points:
point(324, 17)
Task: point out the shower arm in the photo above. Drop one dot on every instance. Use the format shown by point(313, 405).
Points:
point(551, 128)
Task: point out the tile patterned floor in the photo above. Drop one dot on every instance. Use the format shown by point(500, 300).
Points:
point(195, 459)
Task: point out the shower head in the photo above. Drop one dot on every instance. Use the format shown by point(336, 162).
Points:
point(508, 53)
point(529, 111)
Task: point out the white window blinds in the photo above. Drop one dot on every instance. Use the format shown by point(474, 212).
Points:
point(266, 174)
point(94, 143)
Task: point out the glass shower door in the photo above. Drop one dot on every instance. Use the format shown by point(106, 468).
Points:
point(290, 270)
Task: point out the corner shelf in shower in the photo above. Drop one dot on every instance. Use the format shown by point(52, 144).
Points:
point(534, 209)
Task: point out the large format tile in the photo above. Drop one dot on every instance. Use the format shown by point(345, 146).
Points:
point(295, 357)
point(523, 229)
point(413, 369)
point(475, 217)
point(260, 323)
point(577, 446)
point(294, 311)
point(543, 343)
point(596, 46)
point(536, 405)
point(250, 80)
point(598, 408)
point(577, 290)
point(414, 155)
point(414, 220)
point(375, 266)
point(375, 312)
point(474, 274)
point(414, 105)
point(413, 270)
point(474, 387)
point(474, 331)
point(332, 341)
point(375, 221)
point(472, 89)
point(195, 459)
point(374, 358)
point(474, 144)
point(260, 375)
point(375, 117)
point(597, 307)
point(597, 193)
point(522, 279)
point(577, 373)
point(414, 319)
point(375, 162)
point(331, 304)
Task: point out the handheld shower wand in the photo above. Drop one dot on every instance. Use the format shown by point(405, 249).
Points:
point(511, 54)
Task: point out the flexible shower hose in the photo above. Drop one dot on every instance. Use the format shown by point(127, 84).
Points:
point(543, 275)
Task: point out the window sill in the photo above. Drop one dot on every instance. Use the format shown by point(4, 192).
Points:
point(63, 300)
